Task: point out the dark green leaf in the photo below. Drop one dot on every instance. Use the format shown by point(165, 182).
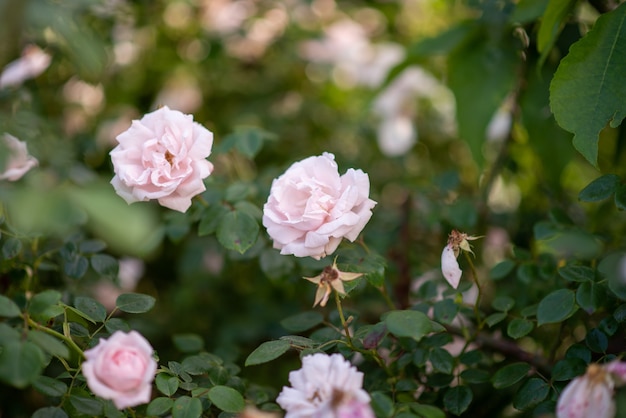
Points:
point(587, 90)
point(49, 386)
point(90, 307)
point(577, 273)
point(211, 219)
point(590, 296)
point(188, 343)
point(599, 189)
point(302, 321)
point(134, 302)
point(503, 303)
point(116, 324)
point(45, 305)
point(8, 308)
point(76, 267)
point(441, 360)
point(483, 66)
point(501, 270)
point(382, 404)
point(568, 368)
point(510, 375)
point(475, 376)
point(227, 399)
point(49, 412)
point(166, 384)
point(412, 324)
point(519, 327)
point(267, 351)
point(11, 248)
point(457, 399)
point(597, 341)
point(445, 311)
point(427, 411)
point(105, 265)
point(532, 392)
point(186, 407)
point(238, 231)
point(551, 24)
point(557, 306)
point(159, 406)
point(49, 344)
point(620, 197)
point(495, 318)
point(87, 406)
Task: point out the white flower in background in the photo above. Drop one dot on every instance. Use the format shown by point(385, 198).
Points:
point(591, 395)
point(396, 134)
point(457, 241)
point(32, 63)
point(18, 161)
point(311, 208)
point(162, 156)
point(327, 386)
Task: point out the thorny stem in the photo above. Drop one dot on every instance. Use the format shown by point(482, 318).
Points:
point(56, 334)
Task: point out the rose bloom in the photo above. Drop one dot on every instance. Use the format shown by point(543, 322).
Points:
point(121, 368)
point(163, 157)
point(31, 64)
point(591, 395)
point(327, 386)
point(311, 207)
point(18, 161)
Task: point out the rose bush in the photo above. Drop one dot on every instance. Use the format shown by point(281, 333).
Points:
point(163, 157)
point(121, 368)
point(311, 207)
point(19, 161)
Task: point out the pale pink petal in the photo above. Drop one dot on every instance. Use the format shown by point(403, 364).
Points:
point(450, 267)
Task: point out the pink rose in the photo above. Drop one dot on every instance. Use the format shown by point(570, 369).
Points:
point(121, 368)
point(311, 207)
point(162, 156)
point(32, 63)
point(18, 161)
point(589, 395)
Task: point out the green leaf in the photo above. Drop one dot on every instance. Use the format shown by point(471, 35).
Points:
point(11, 248)
point(597, 341)
point(8, 308)
point(105, 265)
point(159, 406)
point(166, 384)
point(568, 368)
point(382, 404)
point(134, 302)
point(620, 197)
point(519, 327)
point(599, 189)
point(49, 344)
point(485, 67)
point(501, 270)
point(45, 305)
point(427, 411)
point(503, 303)
point(116, 324)
point(238, 231)
point(457, 399)
point(49, 412)
point(551, 24)
point(556, 307)
point(186, 407)
point(412, 324)
point(587, 90)
point(20, 363)
point(76, 267)
point(441, 360)
point(91, 308)
point(267, 351)
point(510, 375)
point(188, 343)
point(475, 376)
point(590, 296)
point(445, 311)
point(495, 318)
point(302, 321)
point(577, 273)
point(532, 392)
point(211, 219)
point(227, 399)
point(87, 406)
point(49, 386)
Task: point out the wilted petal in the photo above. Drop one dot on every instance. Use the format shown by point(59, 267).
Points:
point(450, 266)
